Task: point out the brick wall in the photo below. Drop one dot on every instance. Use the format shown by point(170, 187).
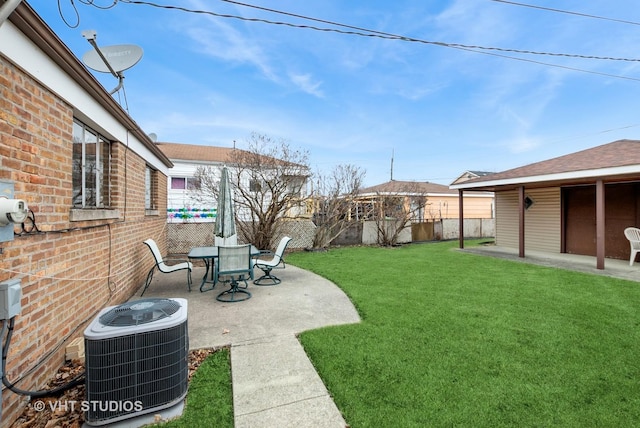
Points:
point(69, 270)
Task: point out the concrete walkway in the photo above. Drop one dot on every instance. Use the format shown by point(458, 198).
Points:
point(274, 383)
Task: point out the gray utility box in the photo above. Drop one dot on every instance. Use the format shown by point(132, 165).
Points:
point(10, 295)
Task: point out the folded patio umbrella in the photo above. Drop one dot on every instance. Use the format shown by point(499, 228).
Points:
point(225, 220)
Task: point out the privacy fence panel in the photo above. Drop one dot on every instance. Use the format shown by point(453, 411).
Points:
point(422, 231)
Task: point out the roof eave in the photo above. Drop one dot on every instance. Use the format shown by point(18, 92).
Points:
point(27, 21)
point(548, 178)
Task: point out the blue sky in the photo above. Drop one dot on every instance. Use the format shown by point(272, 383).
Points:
point(349, 99)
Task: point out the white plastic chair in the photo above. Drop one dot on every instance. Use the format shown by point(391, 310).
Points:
point(276, 262)
point(633, 235)
point(163, 267)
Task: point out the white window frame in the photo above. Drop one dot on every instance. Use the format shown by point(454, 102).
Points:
point(101, 174)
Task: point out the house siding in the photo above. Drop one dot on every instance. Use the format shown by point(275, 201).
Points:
point(507, 219)
point(441, 207)
point(542, 220)
point(69, 270)
point(475, 206)
point(183, 206)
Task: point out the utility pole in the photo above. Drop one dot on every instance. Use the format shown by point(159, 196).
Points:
point(391, 164)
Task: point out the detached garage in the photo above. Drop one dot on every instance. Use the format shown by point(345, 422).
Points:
point(578, 203)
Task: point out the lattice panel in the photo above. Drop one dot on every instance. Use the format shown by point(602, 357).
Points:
point(182, 237)
point(301, 232)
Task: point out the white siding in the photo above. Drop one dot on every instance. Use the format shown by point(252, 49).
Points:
point(182, 201)
point(541, 223)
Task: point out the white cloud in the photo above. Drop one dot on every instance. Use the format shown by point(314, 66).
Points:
point(228, 44)
point(521, 144)
point(306, 83)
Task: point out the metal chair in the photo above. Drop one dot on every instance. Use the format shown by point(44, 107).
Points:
point(633, 235)
point(234, 265)
point(276, 262)
point(163, 267)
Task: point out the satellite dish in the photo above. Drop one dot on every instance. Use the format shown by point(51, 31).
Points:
point(153, 137)
point(120, 58)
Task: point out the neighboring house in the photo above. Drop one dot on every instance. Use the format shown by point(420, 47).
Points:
point(184, 204)
point(95, 184)
point(441, 202)
point(468, 175)
point(579, 203)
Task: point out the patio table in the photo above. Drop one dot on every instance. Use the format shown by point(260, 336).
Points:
point(208, 255)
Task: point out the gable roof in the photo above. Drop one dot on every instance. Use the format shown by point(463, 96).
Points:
point(619, 159)
point(468, 175)
point(196, 153)
point(405, 187)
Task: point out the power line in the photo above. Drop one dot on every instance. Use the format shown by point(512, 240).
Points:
point(567, 12)
point(556, 65)
point(359, 31)
point(77, 14)
point(368, 33)
point(606, 131)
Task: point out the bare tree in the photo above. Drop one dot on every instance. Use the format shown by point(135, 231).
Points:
point(333, 199)
point(269, 182)
point(392, 213)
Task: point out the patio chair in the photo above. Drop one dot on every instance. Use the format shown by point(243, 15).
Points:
point(275, 262)
point(163, 267)
point(633, 235)
point(233, 266)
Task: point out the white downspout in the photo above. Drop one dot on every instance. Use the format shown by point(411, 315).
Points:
point(7, 9)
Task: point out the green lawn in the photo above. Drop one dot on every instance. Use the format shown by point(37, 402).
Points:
point(456, 339)
point(209, 400)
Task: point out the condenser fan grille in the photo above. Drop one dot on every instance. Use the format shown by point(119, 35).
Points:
point(139, 312)
point(134, 366)
point(139, 373)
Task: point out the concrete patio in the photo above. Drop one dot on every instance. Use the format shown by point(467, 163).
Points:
point(612, 267)
point(274, 383)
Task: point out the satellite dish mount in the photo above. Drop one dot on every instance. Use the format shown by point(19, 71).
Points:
point(111, 59)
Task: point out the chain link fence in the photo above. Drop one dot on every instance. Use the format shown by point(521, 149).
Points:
point(182, 237)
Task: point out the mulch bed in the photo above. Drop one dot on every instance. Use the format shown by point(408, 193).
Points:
point(36, 415)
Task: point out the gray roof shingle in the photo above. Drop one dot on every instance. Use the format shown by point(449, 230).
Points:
point(195, 152)
point(408, 187)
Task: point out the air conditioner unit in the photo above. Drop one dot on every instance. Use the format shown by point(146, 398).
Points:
point(136, 359)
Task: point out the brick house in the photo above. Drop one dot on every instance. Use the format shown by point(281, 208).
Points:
point(579, 203)
point(96, 185)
